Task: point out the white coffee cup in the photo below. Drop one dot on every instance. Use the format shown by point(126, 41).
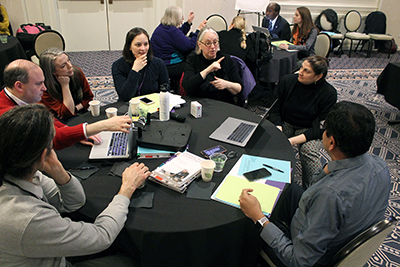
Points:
point(111, 112)
point(134, 107)
point(207, 170)
point(95, 107)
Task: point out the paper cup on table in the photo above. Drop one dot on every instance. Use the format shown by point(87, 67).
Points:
point(219, 160)
point(207, 170)
point(111, 112)
point(95, 107)
point(134, 107)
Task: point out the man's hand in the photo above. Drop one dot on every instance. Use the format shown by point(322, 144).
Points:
point(132, 178)
point(114, 124)
point(53, 167)
point(250, 205)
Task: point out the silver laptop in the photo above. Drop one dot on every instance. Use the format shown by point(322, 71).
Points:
point(261, 29)
point(236, 131)
point(114, 145)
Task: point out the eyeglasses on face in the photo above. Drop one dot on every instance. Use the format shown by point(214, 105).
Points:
point(208, 44)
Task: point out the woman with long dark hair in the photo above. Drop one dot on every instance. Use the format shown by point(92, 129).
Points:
point(68, 91)
point(304, 33)
point(138, 72)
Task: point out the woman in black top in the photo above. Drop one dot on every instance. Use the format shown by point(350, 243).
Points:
point(304, 101)
point(208, 73)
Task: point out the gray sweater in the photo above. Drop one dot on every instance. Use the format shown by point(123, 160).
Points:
point(32, 232)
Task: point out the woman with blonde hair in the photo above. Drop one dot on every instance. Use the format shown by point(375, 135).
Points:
point(234, 41)
point(68, 91)
point(208, 72)
point(304, 34)
point(170, 42)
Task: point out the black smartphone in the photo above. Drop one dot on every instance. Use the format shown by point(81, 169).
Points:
point(216, 149)
point(257, 174)
point(146, 100)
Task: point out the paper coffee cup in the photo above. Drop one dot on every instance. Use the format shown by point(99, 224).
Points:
point(95, 107)
point(111, 112)
point(207, 170)
point(134, 107)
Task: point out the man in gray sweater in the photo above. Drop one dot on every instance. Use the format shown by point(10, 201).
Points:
point(32, 231)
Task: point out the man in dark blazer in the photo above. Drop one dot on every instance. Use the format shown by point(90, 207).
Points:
point(279, 27)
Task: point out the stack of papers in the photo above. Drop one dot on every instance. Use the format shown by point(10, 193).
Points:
point(178, 172)
point(266, 190)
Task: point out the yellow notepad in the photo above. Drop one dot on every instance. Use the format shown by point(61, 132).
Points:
point(231, 187)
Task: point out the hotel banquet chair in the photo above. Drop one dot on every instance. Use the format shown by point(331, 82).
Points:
point(217, 22)
point(360, 249)
point(352, 22)
point(375, 27)
point(323, 45)
point(247, 78)
point(47, 39)
point(327, 27)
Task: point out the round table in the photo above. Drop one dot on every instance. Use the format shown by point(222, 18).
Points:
point(180, 231)
point(282, 63)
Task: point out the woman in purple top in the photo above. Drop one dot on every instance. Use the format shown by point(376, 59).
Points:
point(169, 40)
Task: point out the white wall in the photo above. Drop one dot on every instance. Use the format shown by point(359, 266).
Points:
point(24, 11)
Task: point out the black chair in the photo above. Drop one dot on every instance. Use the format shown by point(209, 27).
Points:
point(375, 27)
point(360, 249)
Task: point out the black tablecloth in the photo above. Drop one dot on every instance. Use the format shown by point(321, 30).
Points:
point(388, 84)
point(9, 52)
point(282, 63)
point(179, 231)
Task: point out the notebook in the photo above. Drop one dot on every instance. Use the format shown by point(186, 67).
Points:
point(261, 29)
point(236, 131)
point(114, 145)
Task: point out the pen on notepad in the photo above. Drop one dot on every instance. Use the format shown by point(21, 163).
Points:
point(276, 169)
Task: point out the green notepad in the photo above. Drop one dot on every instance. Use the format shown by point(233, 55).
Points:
point(231, 188)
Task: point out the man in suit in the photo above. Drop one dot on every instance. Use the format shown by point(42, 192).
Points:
point(277, 25)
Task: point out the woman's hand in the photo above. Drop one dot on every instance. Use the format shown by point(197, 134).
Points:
point(221, 84)
point(139, 63)
point(216, 65)
point(190, 18)
point(63, 80)
point(284, 46)
point(202, 25)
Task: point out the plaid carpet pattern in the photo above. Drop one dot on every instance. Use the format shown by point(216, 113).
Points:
point(355, 80)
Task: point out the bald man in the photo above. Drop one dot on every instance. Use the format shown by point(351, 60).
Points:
point(24, 81)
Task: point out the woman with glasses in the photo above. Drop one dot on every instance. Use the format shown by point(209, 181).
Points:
point(138, 72)
point(304, 100)
point(170, 42)
point(208, 73)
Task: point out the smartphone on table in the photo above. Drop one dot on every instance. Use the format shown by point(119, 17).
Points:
point(257, 174)
point(146, 100)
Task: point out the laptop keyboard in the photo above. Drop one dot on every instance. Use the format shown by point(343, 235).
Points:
point(118, 145)
point(241, 132)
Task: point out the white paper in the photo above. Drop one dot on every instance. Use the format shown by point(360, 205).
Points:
point(252, 5)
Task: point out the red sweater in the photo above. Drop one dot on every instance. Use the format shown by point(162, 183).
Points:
point(59, 108)
point(65, 136)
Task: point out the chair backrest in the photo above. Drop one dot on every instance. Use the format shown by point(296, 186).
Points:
point(323, 45)
point(325, 24)
point(47, 39)
point(352, 21)
point(359, 250)
point(375, 23)
point(217, 22)
point(247, 79)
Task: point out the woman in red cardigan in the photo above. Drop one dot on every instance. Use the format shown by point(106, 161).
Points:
point(68, 91)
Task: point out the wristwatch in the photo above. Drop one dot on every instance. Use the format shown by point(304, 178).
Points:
point(261, 222)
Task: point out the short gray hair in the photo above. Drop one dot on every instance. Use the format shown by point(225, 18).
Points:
point(172, 16)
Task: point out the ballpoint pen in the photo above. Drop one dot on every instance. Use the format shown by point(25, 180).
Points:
point(83, 168)
point(276, 169)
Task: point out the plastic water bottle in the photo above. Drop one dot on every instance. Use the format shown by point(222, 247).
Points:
point(164, 102)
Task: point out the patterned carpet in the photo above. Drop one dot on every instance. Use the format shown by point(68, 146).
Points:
point(353, 83)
